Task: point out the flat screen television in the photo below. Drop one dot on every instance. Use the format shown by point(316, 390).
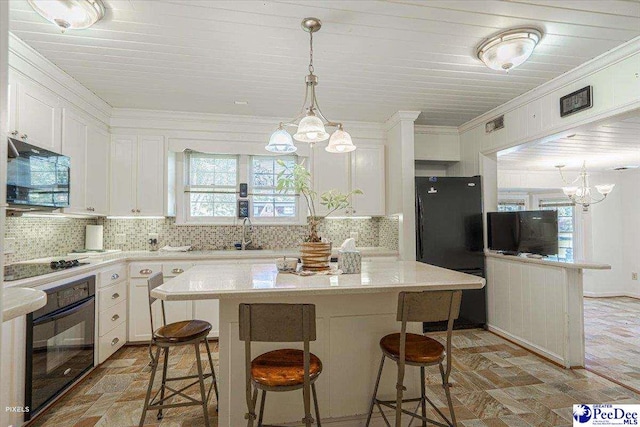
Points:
point(534, 232)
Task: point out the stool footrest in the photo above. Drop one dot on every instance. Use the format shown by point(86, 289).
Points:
point(392, 405)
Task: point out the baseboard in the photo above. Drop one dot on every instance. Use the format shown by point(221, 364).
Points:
point(528, 345)
point(610, 294)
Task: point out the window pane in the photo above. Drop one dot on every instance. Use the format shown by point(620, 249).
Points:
point(212, 170)
point(267, 201)
point(565, 227)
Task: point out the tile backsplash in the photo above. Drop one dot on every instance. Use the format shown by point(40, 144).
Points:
point(51, 236)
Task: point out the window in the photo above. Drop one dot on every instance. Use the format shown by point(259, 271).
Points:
point(212, 183)
point(267, 201)
point(566, 226)
point(511, 205)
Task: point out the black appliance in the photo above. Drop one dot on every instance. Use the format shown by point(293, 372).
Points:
point(25, 270)
point(534, 232)
point(36, 178)
point(449, 234)
point(60, 342)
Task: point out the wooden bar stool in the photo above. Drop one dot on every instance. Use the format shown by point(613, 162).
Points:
point(419, 350)
point(280, 370)
point(187, 332)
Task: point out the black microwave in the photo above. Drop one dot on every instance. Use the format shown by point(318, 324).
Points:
point(36, 178)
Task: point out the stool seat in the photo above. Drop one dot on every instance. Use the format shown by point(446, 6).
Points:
point(418, 348)
point(283, 368)
point(184, 331)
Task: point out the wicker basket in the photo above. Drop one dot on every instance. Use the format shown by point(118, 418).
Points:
point(315, 256)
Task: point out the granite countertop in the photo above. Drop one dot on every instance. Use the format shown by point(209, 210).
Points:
point(550, 261)
point(238, 280)
point(96, 262)
point(20, 301)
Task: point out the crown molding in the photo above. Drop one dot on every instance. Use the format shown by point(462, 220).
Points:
point(436, 130)
point(594, 65)
point(401, 116)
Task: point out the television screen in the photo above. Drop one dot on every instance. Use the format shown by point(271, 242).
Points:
point(533, 232)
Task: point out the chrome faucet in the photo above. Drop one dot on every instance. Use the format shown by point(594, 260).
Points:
point(246, 233)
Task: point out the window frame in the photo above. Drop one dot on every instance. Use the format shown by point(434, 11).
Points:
point(578, 239)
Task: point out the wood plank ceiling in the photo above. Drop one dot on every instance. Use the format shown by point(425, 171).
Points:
point(603, 148)
point(372, 57)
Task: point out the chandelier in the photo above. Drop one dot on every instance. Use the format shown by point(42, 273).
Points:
point(310, 122)
point(582, 194)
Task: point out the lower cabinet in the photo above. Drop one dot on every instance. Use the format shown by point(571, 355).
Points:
point(112, 317)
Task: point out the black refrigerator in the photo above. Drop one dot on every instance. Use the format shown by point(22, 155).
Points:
point(449, 234)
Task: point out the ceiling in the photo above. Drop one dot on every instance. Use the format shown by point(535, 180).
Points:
point(372, 57)
point(603, 148)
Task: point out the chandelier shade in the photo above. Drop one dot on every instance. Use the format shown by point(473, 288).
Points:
point(311, 130)
point(582, 194)
point(70, 14)
point(340, 142)
point(281, 142)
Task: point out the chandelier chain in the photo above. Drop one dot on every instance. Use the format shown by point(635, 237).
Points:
point(311, 52)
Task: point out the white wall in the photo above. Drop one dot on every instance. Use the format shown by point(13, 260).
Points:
point(430, 169)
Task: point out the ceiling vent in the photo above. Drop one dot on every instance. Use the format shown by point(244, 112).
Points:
point(495, 124)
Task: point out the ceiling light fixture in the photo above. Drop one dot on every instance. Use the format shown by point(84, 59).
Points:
point(581, 195)
point(310, 122)
point(70, 14)
point(509, 49)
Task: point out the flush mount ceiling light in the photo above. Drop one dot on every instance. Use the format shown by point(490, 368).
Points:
point(310, 122)
point(70, 14)
point(581, 195)
point(509, 49)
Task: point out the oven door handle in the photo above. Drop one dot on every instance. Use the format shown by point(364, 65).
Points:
point(65, 312)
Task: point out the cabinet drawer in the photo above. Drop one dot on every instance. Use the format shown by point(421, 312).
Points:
point(111, 342)
point(112, 295)
point(112, 317)
point(144, 269)
point(112, 275)
point(175, 268)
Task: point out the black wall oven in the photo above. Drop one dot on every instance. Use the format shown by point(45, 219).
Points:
point(60, 342)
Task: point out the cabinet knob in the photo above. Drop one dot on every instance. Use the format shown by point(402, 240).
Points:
point(115, 276)
point(115, 317)
point(115, 341)
point(138, 210)
point(115, 296)
point(133, 211)
point(14, 133)
point(177, 271)
point(146, 271)
point(24, 136)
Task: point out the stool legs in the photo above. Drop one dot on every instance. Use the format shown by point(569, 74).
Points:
point(423, 398)
point(154, 367)
point(202, 391)
point(262, 400)
point(375, 391)
point(446, 385)
point(213, 372)
point(164, 380)
point(315, 404)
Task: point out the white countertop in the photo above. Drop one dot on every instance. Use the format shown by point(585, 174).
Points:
point(20, 301)
point(577, 264)
point(233, 281)
point(160, 256)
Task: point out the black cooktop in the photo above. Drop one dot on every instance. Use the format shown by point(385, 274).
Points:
point(23, 271)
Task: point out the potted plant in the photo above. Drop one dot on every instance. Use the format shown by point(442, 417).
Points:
point(316, 254)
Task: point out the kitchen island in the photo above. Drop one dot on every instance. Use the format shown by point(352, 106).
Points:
point(353, 312)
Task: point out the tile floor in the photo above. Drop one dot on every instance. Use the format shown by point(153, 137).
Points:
point(495, 384)
point(612, 338)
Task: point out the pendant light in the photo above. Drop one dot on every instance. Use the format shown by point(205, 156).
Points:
point(310, 123)
point(509, 49)
point(281, 142)
point(70, 14)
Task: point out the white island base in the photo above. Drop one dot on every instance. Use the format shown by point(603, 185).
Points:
point(353, 313)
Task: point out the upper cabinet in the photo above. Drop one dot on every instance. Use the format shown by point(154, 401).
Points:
point(88, 149)
point(137, 175)
point(35, 116)
point(361, 169)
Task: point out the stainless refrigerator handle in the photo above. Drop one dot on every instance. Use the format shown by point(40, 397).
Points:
point(419, 224)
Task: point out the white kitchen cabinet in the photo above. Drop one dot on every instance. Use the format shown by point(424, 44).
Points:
point(367, 174)
point(87, 147)
point(362, 169)
point(36, 116)
point(137, 175)
point(139, 323)
point(97, 175)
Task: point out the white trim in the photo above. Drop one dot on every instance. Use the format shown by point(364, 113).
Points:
point(610, 294)
point(598, 63)
point(436, 130)
point(527, 344)
point(401, 116)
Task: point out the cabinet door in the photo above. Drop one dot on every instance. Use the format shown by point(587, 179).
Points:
point(367, 174)
point(150, 179)
point(97, 183)
point(39, 117)
point(330, 172)
point(208, 310)
point(12, 95)
point(74, 145)
point(139, 323)
point(122, 195)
